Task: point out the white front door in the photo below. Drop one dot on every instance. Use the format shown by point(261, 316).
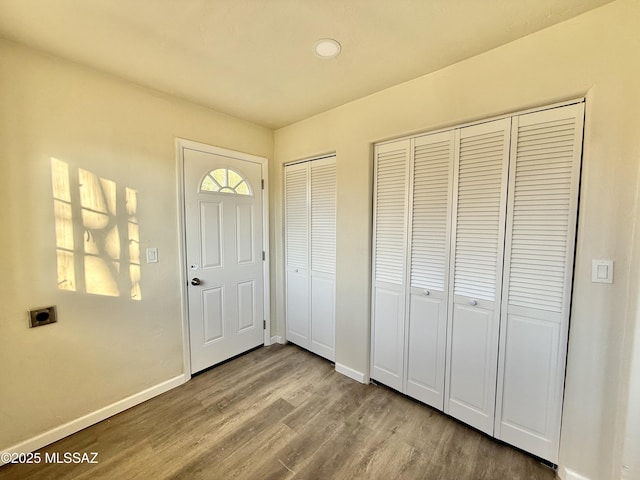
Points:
point(224, 259)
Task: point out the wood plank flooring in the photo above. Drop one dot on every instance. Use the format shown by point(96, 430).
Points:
point(280, 412)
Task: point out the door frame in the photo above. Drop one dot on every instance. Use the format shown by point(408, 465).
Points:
point(181, 146)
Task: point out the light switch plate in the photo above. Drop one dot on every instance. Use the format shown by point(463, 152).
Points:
point(602, 271)
point(152, 255)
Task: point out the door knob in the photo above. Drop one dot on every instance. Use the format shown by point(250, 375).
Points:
point(473, 303)
point(195, 281)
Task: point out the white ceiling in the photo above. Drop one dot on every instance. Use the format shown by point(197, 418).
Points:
point(254, 59)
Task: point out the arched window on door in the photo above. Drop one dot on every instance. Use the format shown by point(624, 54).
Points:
point(225, 180)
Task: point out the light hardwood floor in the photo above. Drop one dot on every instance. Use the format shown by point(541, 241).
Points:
point(280, 412)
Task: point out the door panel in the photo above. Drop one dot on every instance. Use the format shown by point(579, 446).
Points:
point(529, 384)
point(531, 354)
point(224, 245)
point(297, 254)
point(246, 304)
point(298, 322)
point(245, 234)
point(388, 337)
point(474, 352)
point(213, 313)
point(211, 233)
point(389, 269)
point(323, 315)
point(323, 211)
point(429, 227)
point(427, 339)
point(546, 150)
point(480, 197)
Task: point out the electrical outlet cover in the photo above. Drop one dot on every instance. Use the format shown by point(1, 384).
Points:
point(42, 316)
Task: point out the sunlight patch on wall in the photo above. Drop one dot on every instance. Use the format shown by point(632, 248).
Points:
point(94, 219)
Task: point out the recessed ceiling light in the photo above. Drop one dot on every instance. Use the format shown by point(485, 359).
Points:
point(327, 48)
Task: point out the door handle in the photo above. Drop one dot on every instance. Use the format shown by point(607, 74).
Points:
point(473, 303)
point(195, 281)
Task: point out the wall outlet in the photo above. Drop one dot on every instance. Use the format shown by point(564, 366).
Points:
point(42, 316)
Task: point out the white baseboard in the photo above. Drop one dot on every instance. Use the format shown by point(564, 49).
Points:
point(351, 373)
point(92, 418)
point(567, 474)
point(277, 339)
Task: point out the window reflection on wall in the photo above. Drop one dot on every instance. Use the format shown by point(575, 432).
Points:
point(97, 233)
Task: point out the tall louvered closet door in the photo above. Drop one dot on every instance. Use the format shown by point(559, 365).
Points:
point(310, 251)
point(473, 247)
point(296, 198)
point(389, 245)
point(546, 149)
point(432, 166)
point(480, 196)
point(323, 256)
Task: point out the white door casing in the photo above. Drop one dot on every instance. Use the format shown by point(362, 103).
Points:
point(224, 270)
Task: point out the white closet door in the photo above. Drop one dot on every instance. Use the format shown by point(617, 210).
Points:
point(478, 245)
point(429, 266)
point(389, 260)
point(323, 256)
point(542, 209)
point(297, 254)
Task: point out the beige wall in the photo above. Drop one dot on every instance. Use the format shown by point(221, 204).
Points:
point(595, 55)
point(104, 348)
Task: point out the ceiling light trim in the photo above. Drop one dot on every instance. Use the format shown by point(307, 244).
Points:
point(327, 48)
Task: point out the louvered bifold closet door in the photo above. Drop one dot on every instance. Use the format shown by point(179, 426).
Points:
point(478, 243)
point(389, 260)
point(429, 227)
point(323, 256)
point(297, 254)
point(541, 223)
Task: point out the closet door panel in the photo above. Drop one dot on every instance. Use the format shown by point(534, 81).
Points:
point(430, 223)
point(541, 223)
point(298, 321)
point(296, 180)
point(426, 344)
point(528, 378)
point(473, 366)
point(323, 256)
point(482, 161)
point(389, 248)
point(388, 339)
point(323, 315)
